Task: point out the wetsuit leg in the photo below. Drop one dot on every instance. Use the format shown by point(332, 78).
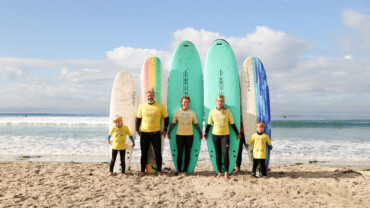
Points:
point(123, 163)
point(113, 160)
point(255, 164)
point(144, 146)
point(188, 145)
point(217, 143)
point(240, 152)
point(263, 167)
point(180, 150)
point(157, 147)
point(225, 143)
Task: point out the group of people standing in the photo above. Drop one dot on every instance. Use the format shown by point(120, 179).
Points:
point(148, 126)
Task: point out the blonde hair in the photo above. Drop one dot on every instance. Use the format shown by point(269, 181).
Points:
point(117, 118)
point(260, 124)
point(224, 108)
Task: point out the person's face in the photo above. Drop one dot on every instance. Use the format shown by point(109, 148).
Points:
point(118, 123)
point(185, 104)
point(260, 129)
point(220, 102)
point(150, 97)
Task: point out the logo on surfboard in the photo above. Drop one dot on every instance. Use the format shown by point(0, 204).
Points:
point(221, 81)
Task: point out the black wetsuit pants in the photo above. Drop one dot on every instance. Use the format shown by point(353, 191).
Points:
point(113, 161)
point(262, 163)
point(154, 138)
point(181, 142)
point(239, 158)
point(222, 144)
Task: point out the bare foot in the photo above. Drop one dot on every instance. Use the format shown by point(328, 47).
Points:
point(219, 175)
point(141, 174)
point(110, 174)
point(237, 170)
point(265, 177)
point(159, 174)
point(226, 175)
point(123, 174)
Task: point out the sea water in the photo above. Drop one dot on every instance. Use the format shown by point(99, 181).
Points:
point(337, 140)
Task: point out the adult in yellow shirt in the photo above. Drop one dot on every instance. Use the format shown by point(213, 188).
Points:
point(221, 117)
point(260, 139)
point(184, 135)
point(148, 126)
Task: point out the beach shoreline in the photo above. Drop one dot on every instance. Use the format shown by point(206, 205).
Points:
point(73, 184)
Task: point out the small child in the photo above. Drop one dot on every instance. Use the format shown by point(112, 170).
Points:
point(259, 149)
point(119, 133)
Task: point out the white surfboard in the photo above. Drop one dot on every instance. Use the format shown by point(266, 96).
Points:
point(124, 103)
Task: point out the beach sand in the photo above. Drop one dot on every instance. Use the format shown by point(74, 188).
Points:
point(56, 184)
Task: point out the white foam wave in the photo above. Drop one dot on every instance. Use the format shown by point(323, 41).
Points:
point(42, 120)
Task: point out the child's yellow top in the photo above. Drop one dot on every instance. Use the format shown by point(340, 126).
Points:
point(119, 137)
point(186, 119)
point(259, 147)
point(221, 122)
point(151, 116)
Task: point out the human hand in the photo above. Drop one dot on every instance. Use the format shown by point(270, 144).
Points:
point(239, 136)
point(139, 132)
point(205, 136)
point(164, 133)
point(133, 144)
point(109, 142)
point(169, 136)
point(200, 137)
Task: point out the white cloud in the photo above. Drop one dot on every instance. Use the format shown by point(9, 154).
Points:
point(297, 84)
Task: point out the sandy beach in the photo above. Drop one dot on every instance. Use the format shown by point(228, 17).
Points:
point(55, 184)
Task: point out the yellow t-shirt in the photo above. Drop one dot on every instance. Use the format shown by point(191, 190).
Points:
point(151, 116)
point(259, 146)
point(119, 137)
point(221, 122)
point(186, 118)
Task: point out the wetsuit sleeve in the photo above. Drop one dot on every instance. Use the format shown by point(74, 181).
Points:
point(198, 128)
point(132, 139)
point(207, 129)
point(171, 127)
point(235, 129)
point(138, 122)
point(109, 137)
point(166, 122)
point(110, 134)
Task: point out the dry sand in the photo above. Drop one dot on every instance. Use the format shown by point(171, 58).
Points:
point(55, 184)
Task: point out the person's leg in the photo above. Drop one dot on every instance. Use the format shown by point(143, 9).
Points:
point(217, 143)
point(188, 146)
point(225, 142)
point(255, 164)
point(157, 147)
point(113, 160)
point(263, 167)
point(180, 150)
point(144, 146)
point(123, 162)
point(240, 152)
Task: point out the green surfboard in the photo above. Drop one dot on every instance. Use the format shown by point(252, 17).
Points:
point(186, 77)
point(221, 77)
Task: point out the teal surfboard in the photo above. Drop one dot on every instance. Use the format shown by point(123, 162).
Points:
point(221, 77)
point(186, 77)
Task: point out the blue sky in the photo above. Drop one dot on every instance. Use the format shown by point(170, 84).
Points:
point(63, 55)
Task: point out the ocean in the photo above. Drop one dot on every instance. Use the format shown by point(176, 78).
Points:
point(315, 139)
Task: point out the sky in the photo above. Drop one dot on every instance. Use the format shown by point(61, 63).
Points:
point(63, 56)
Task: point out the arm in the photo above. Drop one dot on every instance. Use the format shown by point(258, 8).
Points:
point(207, 130)
point(236, 130)
point(166, 122)
point(169, 131)
point(138, 123)
point(199, 130)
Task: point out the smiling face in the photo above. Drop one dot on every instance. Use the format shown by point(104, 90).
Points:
point(185, 104)
point(118, 123)
point(220, 101)
point(260, 129)
point(150, 97)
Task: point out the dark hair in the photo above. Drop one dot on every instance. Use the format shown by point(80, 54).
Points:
point(185, 96)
